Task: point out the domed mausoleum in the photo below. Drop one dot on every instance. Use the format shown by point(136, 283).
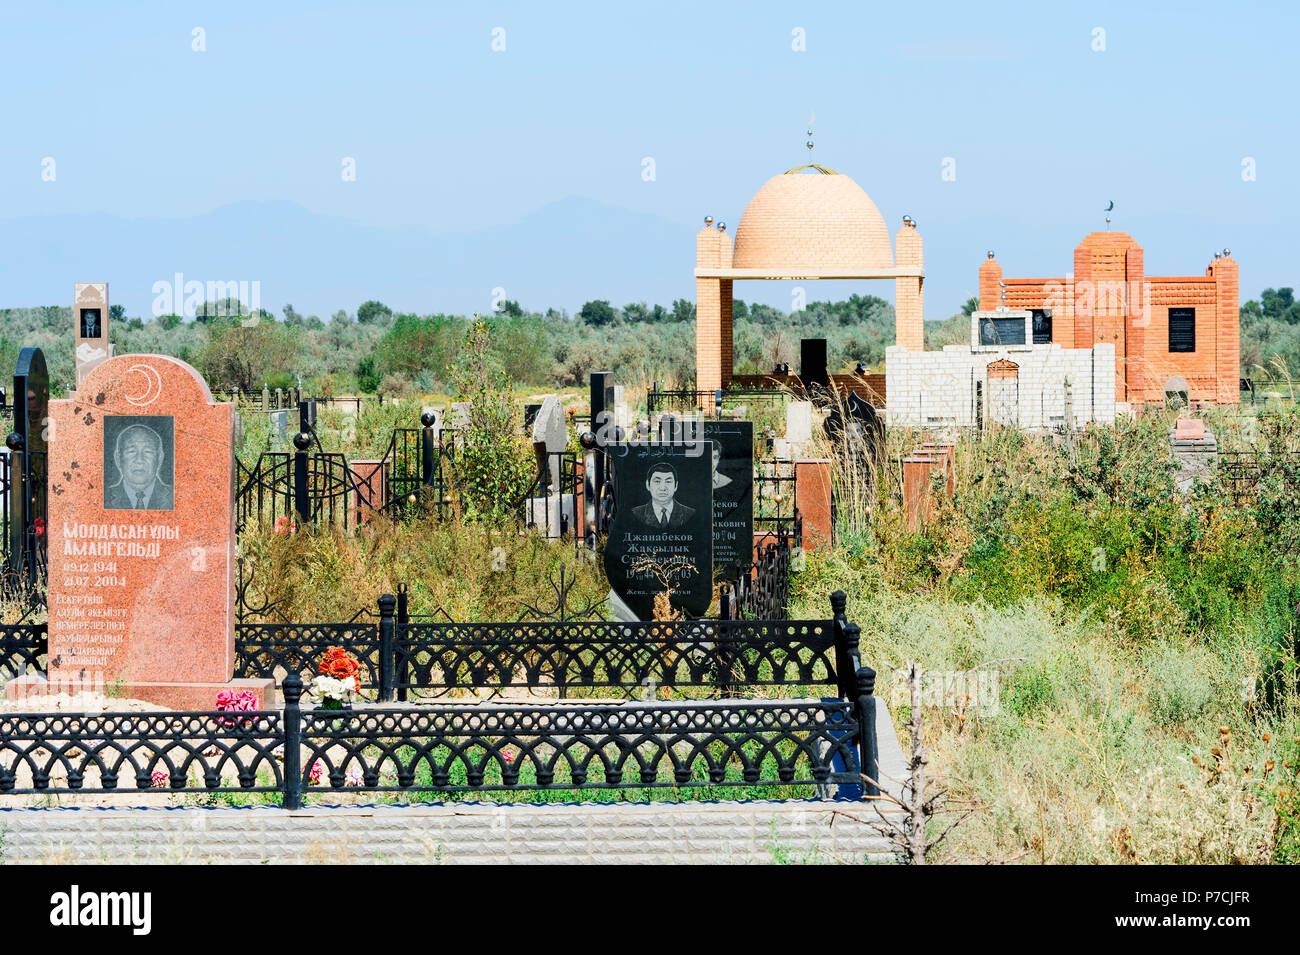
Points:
point(808, 223)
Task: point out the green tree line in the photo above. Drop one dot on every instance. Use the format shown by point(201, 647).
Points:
point(375, 349)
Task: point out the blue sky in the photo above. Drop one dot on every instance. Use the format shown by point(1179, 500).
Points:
point(450, 136)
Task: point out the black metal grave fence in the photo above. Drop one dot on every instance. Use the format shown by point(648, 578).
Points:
point(800, 739)
point(313, 486)
point(1242, 472)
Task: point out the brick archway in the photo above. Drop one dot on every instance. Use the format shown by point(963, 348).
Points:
point(1003, 370)
point(801, 226)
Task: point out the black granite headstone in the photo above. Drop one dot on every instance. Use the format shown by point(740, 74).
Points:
point(661, 537)
point(812, 362)
point(862, 422)
point(733, 495)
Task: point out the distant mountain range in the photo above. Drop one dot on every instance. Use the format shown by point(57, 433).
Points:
point(321, 263)
point(560, 256)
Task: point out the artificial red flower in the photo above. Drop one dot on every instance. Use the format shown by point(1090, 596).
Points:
point(338, 664)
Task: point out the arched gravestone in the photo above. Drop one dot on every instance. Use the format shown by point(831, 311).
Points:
point(141, 537)
point(27, 476)
point(859, 418)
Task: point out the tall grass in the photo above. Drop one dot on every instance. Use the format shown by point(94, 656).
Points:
point(466, 571)
point(1142, 645)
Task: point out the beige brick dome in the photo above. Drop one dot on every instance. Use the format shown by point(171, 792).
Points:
point(814, 220)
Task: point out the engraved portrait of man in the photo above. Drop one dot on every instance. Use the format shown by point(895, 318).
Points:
point(138, 463)
point(663, 510)
point(719, 479)
point(90, 327)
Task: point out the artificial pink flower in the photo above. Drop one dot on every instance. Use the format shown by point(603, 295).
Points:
point(236, 701)
point(159, 779)
point(316, 773)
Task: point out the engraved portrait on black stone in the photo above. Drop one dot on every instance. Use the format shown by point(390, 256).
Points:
point(90, 323)
point(662, 509)
point(733, 495)
point(139, 463)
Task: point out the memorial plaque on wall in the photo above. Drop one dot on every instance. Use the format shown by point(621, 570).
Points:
point(732, 459)
point(661, 537)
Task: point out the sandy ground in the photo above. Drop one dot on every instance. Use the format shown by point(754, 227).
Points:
point(79, 703)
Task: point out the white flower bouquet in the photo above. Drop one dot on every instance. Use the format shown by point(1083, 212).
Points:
point(334, 694)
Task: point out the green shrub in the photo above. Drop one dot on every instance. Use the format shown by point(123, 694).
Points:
point(1179, 686)
point(1029, 692)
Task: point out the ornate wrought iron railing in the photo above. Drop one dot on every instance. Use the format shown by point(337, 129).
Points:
point(433, 750)
point(691, 658)
point(713, 403)
point(821, 732)
point(424, 658)
point(763, 592)
point(274, 650)
point(312, 486)
point(109, 752)
point(507, 747)
point(24, 648)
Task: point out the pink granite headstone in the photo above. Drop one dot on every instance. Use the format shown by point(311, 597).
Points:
point(1189, 429)
point(141, 538)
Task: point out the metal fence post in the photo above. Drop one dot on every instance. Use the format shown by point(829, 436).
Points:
point(849, 678)
point(387, 605)
point(843, 665)
point(865, 707)
point(15, 517)
point(402, 667)
point(428, 451)
point(301, 481)
point(292, 689)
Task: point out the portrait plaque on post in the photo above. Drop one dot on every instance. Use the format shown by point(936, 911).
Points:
point(90, 326)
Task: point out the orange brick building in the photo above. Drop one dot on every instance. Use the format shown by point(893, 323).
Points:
point(1171, 333)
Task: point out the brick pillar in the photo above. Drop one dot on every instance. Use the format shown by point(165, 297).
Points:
point(1137, 321)
point(812, 495)
point(990, 290)
point(909, 311)
point(1084, 302)
point(371, 491)
point(708, 334)
point(1227, 324)
point(725, 351)
point(713, 351)
point(1101, 290)
point(918, 471)
point(916, 489)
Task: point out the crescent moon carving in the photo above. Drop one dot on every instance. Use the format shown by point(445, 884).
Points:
point(152, 387)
